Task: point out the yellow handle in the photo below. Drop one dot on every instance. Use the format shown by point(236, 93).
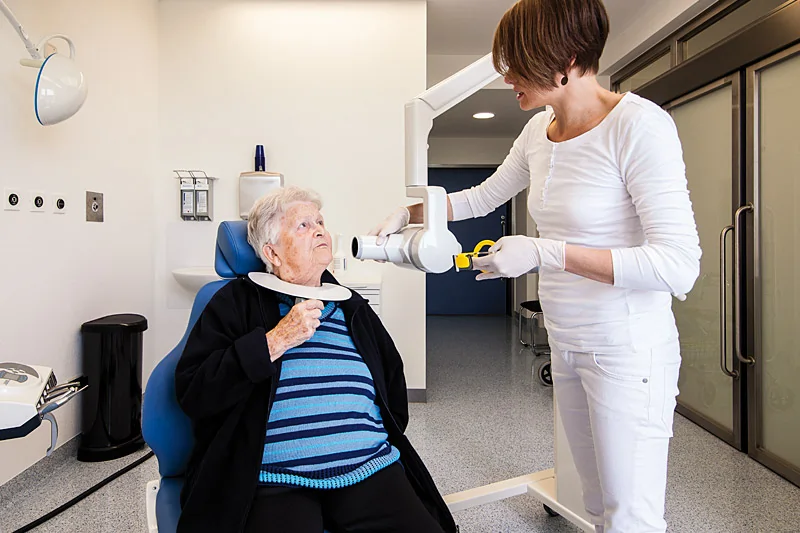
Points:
point(464, 260)
point(481, 244)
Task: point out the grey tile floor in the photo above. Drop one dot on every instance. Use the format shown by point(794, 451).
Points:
point(486, 420)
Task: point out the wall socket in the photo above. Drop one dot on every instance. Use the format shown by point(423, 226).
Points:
point(37, 201)
point(12, 200)
point(59, 203)
point(94, 206)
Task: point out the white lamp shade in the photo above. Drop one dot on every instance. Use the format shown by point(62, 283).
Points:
point(60, 90)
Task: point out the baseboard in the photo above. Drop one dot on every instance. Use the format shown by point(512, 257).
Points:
point(418, 395)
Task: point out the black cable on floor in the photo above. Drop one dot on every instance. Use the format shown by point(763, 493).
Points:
point(84, 494)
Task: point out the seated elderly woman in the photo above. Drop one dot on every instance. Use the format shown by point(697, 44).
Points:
point(299, 409)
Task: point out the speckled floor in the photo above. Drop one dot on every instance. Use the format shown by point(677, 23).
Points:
point(486, 420)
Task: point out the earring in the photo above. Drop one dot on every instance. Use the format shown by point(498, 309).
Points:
point(564, 80)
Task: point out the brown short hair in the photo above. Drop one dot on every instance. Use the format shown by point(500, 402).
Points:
point(538, 39)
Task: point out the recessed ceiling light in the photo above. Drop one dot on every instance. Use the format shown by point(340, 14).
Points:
point(483, 116)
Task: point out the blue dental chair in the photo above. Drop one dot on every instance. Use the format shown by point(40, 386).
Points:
point(166, 429)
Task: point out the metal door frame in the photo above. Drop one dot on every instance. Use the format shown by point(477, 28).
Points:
point(754, 263)
point(758, 41)
point(733, 437)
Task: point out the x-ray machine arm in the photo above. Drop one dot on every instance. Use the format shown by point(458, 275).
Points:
point(430, 247)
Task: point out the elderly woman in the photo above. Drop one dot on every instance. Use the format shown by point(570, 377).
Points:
point(299, 409)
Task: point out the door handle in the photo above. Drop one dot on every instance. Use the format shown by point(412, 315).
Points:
point(723, 305)
point(502, 225)
point(737, 282)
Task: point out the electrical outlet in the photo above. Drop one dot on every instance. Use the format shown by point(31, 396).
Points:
point(59, 203)
point(94, 206)
point(37, 202)
point(12, 199)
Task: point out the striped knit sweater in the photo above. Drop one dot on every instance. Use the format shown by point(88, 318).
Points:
point(324, 430)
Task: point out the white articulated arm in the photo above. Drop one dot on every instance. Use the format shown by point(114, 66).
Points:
point(443, 96)
point(432, 247)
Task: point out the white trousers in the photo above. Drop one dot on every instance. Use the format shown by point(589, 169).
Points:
point(617, 411)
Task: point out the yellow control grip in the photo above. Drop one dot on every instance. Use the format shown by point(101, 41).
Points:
point(463, 261)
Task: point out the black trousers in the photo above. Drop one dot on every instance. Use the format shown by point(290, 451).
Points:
point(382, 503)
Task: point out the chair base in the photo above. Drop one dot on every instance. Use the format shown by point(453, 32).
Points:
point(151, 493)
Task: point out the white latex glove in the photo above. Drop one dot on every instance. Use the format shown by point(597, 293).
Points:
point(516, 255)
point(391, 224)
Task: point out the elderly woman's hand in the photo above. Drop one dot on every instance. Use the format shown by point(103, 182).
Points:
point(295, 328)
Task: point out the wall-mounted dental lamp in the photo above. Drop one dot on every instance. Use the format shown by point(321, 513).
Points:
point(431, 247)
point(60, 85)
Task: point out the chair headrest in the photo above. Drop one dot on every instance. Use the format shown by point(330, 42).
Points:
point(234, 255)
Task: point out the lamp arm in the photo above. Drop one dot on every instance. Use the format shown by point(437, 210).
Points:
point(32, 50)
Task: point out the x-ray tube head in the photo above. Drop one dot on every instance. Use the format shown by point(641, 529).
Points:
point(396, 248)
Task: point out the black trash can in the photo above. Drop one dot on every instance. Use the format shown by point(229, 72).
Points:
point(112, 405)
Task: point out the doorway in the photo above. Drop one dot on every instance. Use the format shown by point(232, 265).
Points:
point(457, 293)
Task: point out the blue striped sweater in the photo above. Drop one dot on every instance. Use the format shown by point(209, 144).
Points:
point(324, 430)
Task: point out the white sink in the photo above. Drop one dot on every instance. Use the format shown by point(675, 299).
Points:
point(194, 278)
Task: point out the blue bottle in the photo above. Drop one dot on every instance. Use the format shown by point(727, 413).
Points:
point(261, 164)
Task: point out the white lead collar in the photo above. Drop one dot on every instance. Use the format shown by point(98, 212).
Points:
point(328, 292)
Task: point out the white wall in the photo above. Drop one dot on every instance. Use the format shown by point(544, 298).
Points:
point(58, 271)
point(322, 85)
point(654, 21)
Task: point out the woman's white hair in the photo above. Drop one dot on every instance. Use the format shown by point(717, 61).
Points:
point(264, 220)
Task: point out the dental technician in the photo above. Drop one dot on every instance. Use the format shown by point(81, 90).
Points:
point(617, 238)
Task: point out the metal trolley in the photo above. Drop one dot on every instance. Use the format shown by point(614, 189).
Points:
point(537, 337)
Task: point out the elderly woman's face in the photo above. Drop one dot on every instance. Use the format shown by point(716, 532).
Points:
point(303, 250)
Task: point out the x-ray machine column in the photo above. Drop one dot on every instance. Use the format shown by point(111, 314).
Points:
point(432, 248)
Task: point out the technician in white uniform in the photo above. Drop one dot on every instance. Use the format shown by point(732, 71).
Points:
point(617, 240)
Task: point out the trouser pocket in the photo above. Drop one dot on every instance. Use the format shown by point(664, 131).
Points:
point(642, 384)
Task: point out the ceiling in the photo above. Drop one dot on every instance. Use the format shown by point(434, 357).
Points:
point(466, 27)
point(463, 26)
point(507, 122)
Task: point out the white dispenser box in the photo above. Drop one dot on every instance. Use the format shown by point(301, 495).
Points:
point(254, 185)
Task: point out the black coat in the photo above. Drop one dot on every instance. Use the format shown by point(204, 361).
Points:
point(226, 382)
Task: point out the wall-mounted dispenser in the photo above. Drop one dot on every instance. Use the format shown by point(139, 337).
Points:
point(254, 185)
point(197, 194)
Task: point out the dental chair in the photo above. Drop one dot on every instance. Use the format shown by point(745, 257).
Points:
point(166, 429)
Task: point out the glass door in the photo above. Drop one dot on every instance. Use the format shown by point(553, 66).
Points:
point(709, 125)
point(773, 162)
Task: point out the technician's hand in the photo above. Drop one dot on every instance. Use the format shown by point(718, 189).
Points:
point(295, 328)
point(516, 255)
point(392, 224)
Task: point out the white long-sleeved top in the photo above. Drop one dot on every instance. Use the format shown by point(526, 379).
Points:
point(620, 186)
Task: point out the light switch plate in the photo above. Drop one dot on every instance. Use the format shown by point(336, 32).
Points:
point(12, 199)
point(94, 206)
point(37, 201)
point(58, 202)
